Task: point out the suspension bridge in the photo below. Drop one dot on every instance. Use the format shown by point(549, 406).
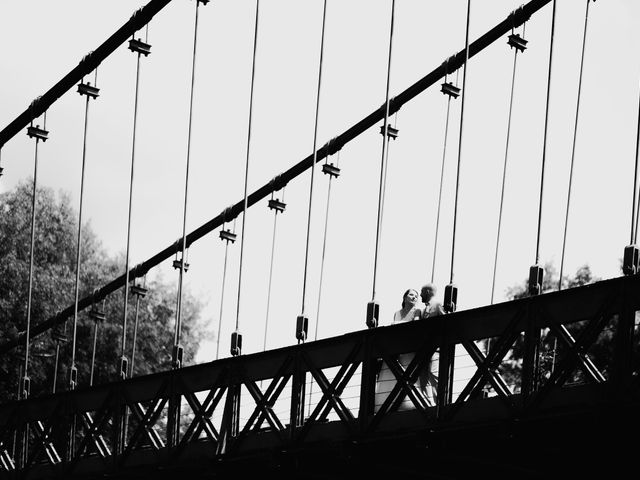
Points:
point(547, 382)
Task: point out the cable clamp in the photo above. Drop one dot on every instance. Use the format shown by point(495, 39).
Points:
point(392, 132)
point(302, 327)
point(88, 90)
point(236, 344)
point(331, 170)
point(630, 260)
point(373, 314)
point(450, 298)
point(536, 274)
point(450, 89)
point(277, 205)
point(517, 42)
point(38, 133)
point(140, 47)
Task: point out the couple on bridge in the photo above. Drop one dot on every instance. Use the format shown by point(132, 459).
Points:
point(412, 309)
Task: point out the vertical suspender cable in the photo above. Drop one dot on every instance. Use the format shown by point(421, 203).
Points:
point(386, 164)
point(634, 220)
point(630, 259)
point(273, 245)
point(236, 343)
point(93, 352)
point(504, 173)
point(123, 359)
point(177, 360)
point(546, 128)
point(96, 322)
point(385, 143)
point(324, 250)
point(573, 148)
point(31, 255)
point(72, 367)
point(634, 211)
point(24, 384)
point(273, 248)
point(444, 156)
point(301, 333)
point(140, 291)
point(224, 277)
point(464, 96)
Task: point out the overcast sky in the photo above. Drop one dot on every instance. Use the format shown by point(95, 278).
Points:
point(42, 41)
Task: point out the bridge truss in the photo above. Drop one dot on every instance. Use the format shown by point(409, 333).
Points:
point(226, 416)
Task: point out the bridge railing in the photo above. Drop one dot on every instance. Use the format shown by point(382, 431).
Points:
point(523, 359)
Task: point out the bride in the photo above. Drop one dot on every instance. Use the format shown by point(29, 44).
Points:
point(411, 310)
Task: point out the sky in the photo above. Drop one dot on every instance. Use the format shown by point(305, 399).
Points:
point(53, 38)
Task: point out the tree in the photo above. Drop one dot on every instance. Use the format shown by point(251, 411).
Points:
point(54, 289)
point(583, 276)
point(550, 349)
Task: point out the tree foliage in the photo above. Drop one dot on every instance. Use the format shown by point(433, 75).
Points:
point(550, 350)
point(54, 273)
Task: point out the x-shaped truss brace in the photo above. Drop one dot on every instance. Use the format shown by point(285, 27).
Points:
point(405, 382)
point(264, 403)
point(93, 425)
point(6, 459)
point(577, 353)
point(146, 420)
point(487, 367)
point(202, 416)
point(332, 392)
point(42, 433)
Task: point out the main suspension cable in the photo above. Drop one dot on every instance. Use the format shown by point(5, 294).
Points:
point(573, 147)
point(236, 338)
point(302, 321)
point(517, 46)
point(372, 307)
point(177, 348)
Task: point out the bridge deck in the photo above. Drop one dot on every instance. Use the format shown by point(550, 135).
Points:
point(253, 412)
